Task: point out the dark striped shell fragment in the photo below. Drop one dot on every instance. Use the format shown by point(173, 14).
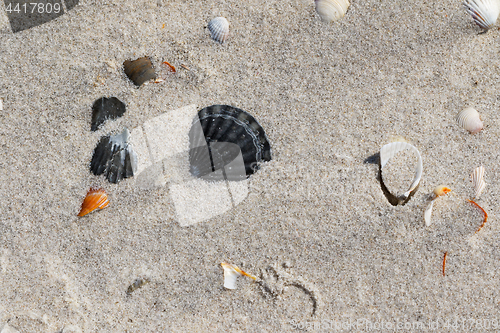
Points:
point(114, 158)
point(106, 108)
point(139, 70)
point(226, 143)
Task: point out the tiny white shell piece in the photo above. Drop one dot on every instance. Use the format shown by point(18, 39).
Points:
point(331, 10)
point(219, 29)
point(483, 12)
point(1, 104)
point(391, 149)
point(478, 181)
point(469, 119)
point(428, 213)
point(230, 276)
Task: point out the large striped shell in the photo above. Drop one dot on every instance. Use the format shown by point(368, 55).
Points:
point(483, 12)
point(389, 151)
point(219, 29)
point(478, 182)
point(469, 119)
point(331, 10)
point(96, 198)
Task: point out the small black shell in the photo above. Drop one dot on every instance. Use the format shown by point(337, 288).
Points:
point(114, 158)
point(226, 143)
point(106, 108)
point(139, 70)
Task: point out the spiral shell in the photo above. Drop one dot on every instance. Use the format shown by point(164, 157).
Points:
point(331, 10)
point(483, 12)
point(469, 119)
point(96, 198)
point(219, 29)
point(478, 181)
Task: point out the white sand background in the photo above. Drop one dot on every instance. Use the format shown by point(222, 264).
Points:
point(315, 225)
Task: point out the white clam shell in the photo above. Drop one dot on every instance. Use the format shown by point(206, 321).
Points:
point(469, 119)
point(428, 213)
point(390, 150)
point(230, 276)
point(331, 10)
point(219, 29)
point(483, 12)
point(478, 181)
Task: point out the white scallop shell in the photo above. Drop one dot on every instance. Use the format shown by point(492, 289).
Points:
point(478, 181)
point(219, 29)
point(391, 149)
point(428, 213)
point(469, 119)
point(230, 276)
point(483, 12)
point(331, 10)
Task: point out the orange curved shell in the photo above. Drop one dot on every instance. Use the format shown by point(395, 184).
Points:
point(96, 198)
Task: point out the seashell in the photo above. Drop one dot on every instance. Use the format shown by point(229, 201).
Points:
point(469, 119)
point(231, 273)
point(428, 213)
point(331, 10)
point(219, 29)
point(386, 153)
point(138, 283)
point(139, 70)
point(1, 104)
point(114, 157)
point(438, 192)
point(106, 108)
point(483, 12)
point(441, 190)
point(226, 143)
point(478, 181)
point(96, 198)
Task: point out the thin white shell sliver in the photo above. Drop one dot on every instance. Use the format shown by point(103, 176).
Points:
point(428, 213)
point(391, 149)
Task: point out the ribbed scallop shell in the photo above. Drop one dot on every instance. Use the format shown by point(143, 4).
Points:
point(331, 10)
point(219, 29)
point(478, 181)
point(483, 12)
point(96, 198)
point(469, 119)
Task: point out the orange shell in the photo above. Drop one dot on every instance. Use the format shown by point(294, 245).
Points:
point(96, 198)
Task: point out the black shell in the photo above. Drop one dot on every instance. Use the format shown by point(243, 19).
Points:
point(139, 70)
point(106, 108)
point(114, 158)
point(226, 143)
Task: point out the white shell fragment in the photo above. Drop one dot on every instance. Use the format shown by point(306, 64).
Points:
point(389, 151)
point(469, 119)
point(231, 273)
point(331, 10)
point(483, 12)
point(438, 192)
point(428, 213)
point(1, 104)
point(219, 29)
point(478, 181)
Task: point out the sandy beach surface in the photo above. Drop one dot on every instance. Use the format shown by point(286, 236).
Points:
point(331, 253)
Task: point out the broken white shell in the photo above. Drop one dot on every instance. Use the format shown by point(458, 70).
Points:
point(428, 213)
point(478, 181)
point(219, 29)
point(469, 119)
point(230, 276)
point(390, 150)
point(438, 192)
point(331, 10)
point(483, 12)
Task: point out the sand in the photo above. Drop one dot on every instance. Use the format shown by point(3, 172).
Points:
point(314, 225)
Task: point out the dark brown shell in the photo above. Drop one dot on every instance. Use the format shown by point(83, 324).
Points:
point(139, 70)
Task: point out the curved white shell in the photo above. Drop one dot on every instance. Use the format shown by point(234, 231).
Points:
point(469, 119)
point(428, 213)
point(331, 10)
point(483, 12)
point(230, 276)
point(219, 29)
point(391, 149)
point(478, 181)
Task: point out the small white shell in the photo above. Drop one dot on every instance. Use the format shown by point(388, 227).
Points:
point(230, 276)
point(391, 149)
point(219, 29)
point(469, 119)
point(331, 10)
point(478, 181)
point(483, 12)
point(428, 213)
